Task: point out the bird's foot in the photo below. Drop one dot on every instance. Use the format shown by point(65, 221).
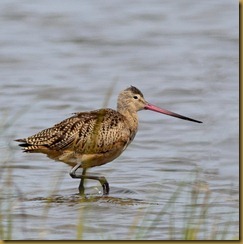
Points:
point(105, 185)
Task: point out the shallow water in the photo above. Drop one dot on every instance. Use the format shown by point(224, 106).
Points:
point(58, 59)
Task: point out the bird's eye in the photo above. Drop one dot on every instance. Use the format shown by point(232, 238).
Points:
point(135, 97)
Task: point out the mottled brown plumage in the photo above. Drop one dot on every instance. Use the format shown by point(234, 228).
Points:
point(89, 139)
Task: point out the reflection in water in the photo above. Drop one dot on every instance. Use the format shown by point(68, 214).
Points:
point(76, 198)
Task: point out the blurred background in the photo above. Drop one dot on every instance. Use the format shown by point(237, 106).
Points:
point(62, 57)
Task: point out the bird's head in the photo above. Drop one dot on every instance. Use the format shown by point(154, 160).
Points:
point(132, 99)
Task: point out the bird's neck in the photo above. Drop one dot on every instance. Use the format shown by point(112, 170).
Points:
point(131, 116)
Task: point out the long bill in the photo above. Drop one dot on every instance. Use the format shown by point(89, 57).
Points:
point(167, 112)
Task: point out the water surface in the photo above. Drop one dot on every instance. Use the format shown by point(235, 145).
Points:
point(62, 58)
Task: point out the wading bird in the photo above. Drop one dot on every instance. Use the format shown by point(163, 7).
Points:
point(94, 138)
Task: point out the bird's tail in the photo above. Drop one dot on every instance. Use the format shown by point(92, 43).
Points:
point(27, 147)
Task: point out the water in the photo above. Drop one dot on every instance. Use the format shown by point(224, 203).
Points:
point(61, 58)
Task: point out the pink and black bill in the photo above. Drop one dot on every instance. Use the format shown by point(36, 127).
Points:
point(167, 112)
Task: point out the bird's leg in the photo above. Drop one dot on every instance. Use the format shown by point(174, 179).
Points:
point(101, 179)
point(73, 171)
point(81, 184)
point(73, 174)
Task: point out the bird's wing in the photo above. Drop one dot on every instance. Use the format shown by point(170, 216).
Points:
point(105, 131)
point(88, 132)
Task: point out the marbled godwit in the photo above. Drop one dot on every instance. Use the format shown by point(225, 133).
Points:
point(89, 139)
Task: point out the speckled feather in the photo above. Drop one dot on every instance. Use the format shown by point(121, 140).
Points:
point(87, 132)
